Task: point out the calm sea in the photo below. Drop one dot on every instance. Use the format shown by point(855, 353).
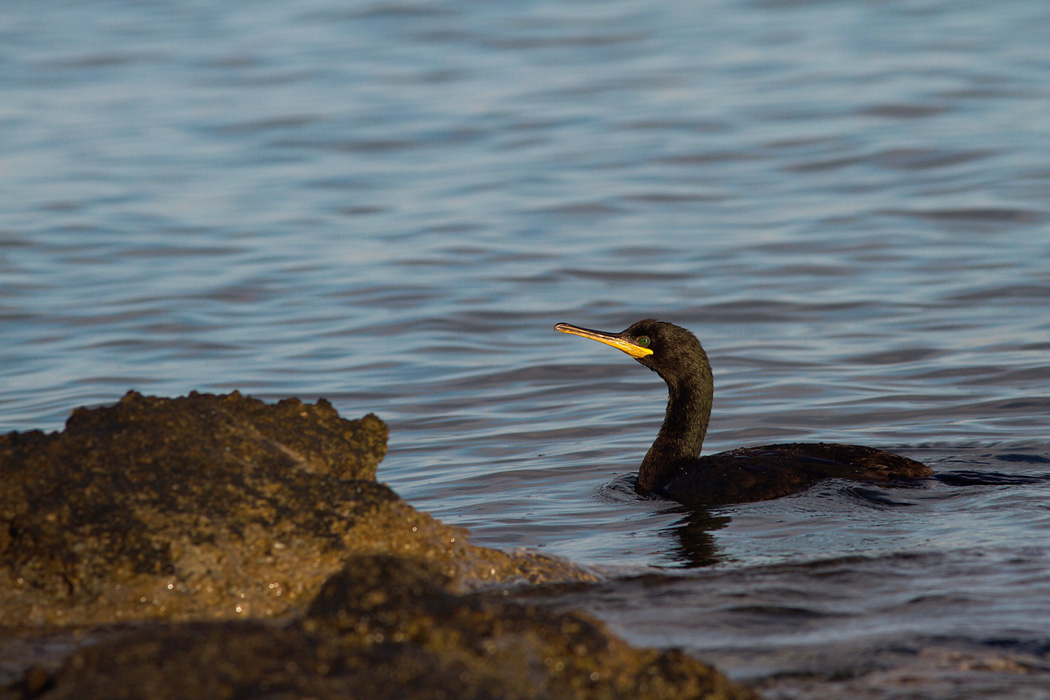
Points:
point(390, 204)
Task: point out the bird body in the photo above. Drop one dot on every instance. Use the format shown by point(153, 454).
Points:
point(673, 466)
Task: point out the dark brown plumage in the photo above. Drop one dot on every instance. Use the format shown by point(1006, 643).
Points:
point(673, 466)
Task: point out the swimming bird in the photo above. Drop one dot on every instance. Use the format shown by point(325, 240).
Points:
point(673, 466)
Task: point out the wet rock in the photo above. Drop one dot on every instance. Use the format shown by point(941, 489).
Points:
point(385, 627)
point(208, 507)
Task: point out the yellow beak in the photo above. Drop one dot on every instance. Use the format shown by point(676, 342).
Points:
point(634, 350)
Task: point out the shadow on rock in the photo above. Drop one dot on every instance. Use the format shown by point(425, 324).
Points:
point(384, 627)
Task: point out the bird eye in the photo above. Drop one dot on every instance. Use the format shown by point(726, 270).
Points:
point(643, 341)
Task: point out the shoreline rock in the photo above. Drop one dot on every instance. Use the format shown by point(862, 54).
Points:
point(382, 628)
point(209, 507)
point(197, 546)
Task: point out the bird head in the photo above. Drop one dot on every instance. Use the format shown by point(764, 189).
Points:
point(669, 350)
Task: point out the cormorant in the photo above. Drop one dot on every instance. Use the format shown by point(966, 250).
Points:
point(673, 466)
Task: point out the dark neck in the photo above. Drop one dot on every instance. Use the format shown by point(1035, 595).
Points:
point(682, 434)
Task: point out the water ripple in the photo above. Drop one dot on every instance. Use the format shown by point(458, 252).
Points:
point(391, 203)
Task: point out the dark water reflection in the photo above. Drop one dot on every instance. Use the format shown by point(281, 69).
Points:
point(695, 544)
point(390, 205)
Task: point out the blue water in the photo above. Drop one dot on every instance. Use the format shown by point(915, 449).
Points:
point(390, 205)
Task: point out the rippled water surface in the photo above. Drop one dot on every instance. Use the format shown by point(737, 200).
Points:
point(390, 205)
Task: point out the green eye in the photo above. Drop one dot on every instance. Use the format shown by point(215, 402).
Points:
point(643, 341)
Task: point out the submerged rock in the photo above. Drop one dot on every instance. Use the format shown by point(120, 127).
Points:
point(208, 507)
point(217, 546)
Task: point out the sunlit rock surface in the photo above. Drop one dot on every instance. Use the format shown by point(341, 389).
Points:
point(208, 507)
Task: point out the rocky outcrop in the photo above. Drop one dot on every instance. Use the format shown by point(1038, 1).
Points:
point(256, 556)
point(384, 628)
point(208, 507)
